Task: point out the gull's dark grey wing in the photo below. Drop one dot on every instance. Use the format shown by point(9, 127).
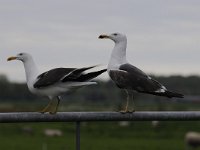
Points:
point(84, 77)
point(130, 77)
point(76, 73)
point(65, 75)
point(52, 76)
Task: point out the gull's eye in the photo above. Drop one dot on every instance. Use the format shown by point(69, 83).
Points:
point(115, 34)
point(20, 54)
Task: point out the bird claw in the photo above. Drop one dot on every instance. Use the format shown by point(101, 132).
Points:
point(44, 111)
point(52, 112)
point(127, 111)
point(123, 111)
point(131, 111)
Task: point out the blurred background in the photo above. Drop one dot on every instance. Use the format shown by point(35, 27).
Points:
point(163, 40)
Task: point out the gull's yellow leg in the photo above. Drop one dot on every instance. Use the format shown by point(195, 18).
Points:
point(127, 103)
point(56, 108)
point(47, 108)
point(133, 108)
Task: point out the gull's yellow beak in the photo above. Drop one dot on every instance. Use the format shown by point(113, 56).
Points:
point(11, 58)
point(104, 36)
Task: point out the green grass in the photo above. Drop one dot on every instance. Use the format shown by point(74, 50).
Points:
point(98, 136)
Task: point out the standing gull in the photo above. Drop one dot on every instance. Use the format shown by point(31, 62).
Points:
point(55, 82)
point(127, 76)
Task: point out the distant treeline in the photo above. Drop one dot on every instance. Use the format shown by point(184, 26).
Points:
point(105, 90)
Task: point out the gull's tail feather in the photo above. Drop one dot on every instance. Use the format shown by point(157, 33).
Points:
point(168, 94)
point(173, 94)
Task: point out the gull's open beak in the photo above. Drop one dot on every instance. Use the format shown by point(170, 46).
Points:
point(104, 36)
point(11, 58)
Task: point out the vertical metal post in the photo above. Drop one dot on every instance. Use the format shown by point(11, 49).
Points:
point(78, 135)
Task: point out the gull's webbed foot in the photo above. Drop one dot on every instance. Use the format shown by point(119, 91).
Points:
point(127, 111)
point(123, 111)
point(131, 111)
point(52, 112)
point(47, 108)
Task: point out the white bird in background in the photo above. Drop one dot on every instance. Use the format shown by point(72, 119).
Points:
point(55, 82)
point(127, 76)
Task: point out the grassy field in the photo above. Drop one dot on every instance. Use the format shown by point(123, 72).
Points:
point(98, 136)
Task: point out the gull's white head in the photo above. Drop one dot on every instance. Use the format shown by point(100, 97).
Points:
point(21, 56)
point(116, 37)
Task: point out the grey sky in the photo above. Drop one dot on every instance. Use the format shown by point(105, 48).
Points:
point(163, 36)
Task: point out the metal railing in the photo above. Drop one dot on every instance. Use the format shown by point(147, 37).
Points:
point(79, 117)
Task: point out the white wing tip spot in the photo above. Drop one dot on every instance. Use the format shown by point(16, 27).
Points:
point(161, 90)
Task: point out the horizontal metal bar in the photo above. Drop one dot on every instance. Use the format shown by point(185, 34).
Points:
point(98, 116)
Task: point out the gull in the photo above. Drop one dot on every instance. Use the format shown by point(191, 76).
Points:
point(129, 77)
point(55, 82)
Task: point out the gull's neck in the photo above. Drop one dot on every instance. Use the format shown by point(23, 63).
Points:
point(31, 71)
point(118, 56)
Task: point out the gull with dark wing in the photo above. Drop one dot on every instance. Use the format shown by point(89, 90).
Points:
point(55, 82)
point(129, 77)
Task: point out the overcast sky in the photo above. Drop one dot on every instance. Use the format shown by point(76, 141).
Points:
point(163, 36)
